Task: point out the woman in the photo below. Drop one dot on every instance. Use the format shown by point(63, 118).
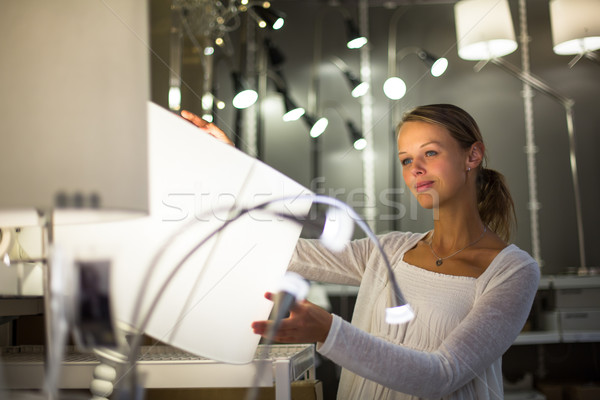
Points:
point(470, 290)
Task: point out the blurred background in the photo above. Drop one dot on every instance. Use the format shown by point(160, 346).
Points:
point(308, 62)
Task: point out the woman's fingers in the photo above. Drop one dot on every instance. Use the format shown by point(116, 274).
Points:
point(208, 127)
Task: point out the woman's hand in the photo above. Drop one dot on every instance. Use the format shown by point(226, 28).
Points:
point(307, 323)
point(206, 126)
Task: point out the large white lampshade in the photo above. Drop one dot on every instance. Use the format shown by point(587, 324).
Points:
point(484, 29)
point(575, 26)
point(195, 182)
point(73, 93)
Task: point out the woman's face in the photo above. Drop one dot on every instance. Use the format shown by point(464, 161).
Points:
point(433, 163)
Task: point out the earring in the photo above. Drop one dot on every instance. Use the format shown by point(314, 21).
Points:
point(468, 169)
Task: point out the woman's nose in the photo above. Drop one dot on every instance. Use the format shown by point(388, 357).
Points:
point(417, 169)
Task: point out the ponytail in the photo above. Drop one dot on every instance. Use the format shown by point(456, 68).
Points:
point(495, 204)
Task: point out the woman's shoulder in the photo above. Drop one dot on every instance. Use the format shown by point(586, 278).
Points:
point(513, 261)
point(399, 241)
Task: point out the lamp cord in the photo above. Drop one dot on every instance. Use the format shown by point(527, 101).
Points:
point(397, 299)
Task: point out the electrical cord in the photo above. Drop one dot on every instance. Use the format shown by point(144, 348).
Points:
point(399, 312)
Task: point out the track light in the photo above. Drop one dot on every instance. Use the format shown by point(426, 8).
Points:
point(358, 141)
point(355, 39)
point(244, 97)
point(292, 111)
point(357, 87)
point(318, 127)
point(267, 17)
point(395, 88)
point(436, 65)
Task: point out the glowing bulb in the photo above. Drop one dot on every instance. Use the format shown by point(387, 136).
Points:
point(208, 51)
point(293, 115)
point(439, 67)
point(357, 43)
point(174, 98)
point(360, 90)
point(338, 229)
point(360, 144)
point(319, 127)
point(394, 88)
point(245, 99)
point(278, 24)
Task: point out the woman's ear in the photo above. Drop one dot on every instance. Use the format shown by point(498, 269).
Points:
point(475, 156)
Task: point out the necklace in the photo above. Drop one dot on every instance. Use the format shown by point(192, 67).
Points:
point(440, 260)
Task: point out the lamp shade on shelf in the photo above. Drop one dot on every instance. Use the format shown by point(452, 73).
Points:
point(484, 29)
point(575, 26)
point(73, 93)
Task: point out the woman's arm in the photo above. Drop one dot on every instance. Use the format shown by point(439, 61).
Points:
point(481, 338)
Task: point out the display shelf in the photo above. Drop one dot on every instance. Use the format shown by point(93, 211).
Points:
point(167, 367)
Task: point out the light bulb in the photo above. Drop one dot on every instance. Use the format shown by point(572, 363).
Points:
point(394, 88)
point(319, 127)
point(439, 67)
point(245, 99)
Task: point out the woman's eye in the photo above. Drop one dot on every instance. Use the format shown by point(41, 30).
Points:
point(406, 161)
point(430, 153)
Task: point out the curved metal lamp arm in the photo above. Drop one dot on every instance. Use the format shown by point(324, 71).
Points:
point(539, 85)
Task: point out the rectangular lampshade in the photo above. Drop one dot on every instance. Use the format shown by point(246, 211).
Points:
point(73, 93)
point(195, 183)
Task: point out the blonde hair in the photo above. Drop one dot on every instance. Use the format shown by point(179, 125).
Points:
point(494, 202)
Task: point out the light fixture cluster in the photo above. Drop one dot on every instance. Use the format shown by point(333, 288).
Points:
point(395, 88)
point(246, 97)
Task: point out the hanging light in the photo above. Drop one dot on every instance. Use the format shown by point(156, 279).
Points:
point(484, 29)
point(358, 141)
point(437, 66)
point(358, 87)
point(318, 127)
point(575, 26)
point(355, 39)
point(395, 88)
point(292, 111)
point(267, 17)
point(244, 97)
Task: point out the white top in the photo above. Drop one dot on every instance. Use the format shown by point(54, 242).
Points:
point(452, 349)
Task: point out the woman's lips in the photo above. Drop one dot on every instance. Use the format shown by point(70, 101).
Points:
point(422, 186)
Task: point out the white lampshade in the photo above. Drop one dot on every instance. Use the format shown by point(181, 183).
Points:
point(74, 87)
point(210, 304)
point(575, 26)
point(484, 29)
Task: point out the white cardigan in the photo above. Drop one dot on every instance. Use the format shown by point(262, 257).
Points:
point(453, 347)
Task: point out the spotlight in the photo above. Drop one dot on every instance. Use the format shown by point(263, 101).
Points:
point(358, 87)
point(317, 127)
point(395, 88)
point(292, 111)
point(437, 65)
point(355, 39)
point(358, 141)
point(244, 97)
point(267, 17)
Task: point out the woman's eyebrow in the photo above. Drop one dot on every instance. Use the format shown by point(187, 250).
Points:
point(423, 145)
